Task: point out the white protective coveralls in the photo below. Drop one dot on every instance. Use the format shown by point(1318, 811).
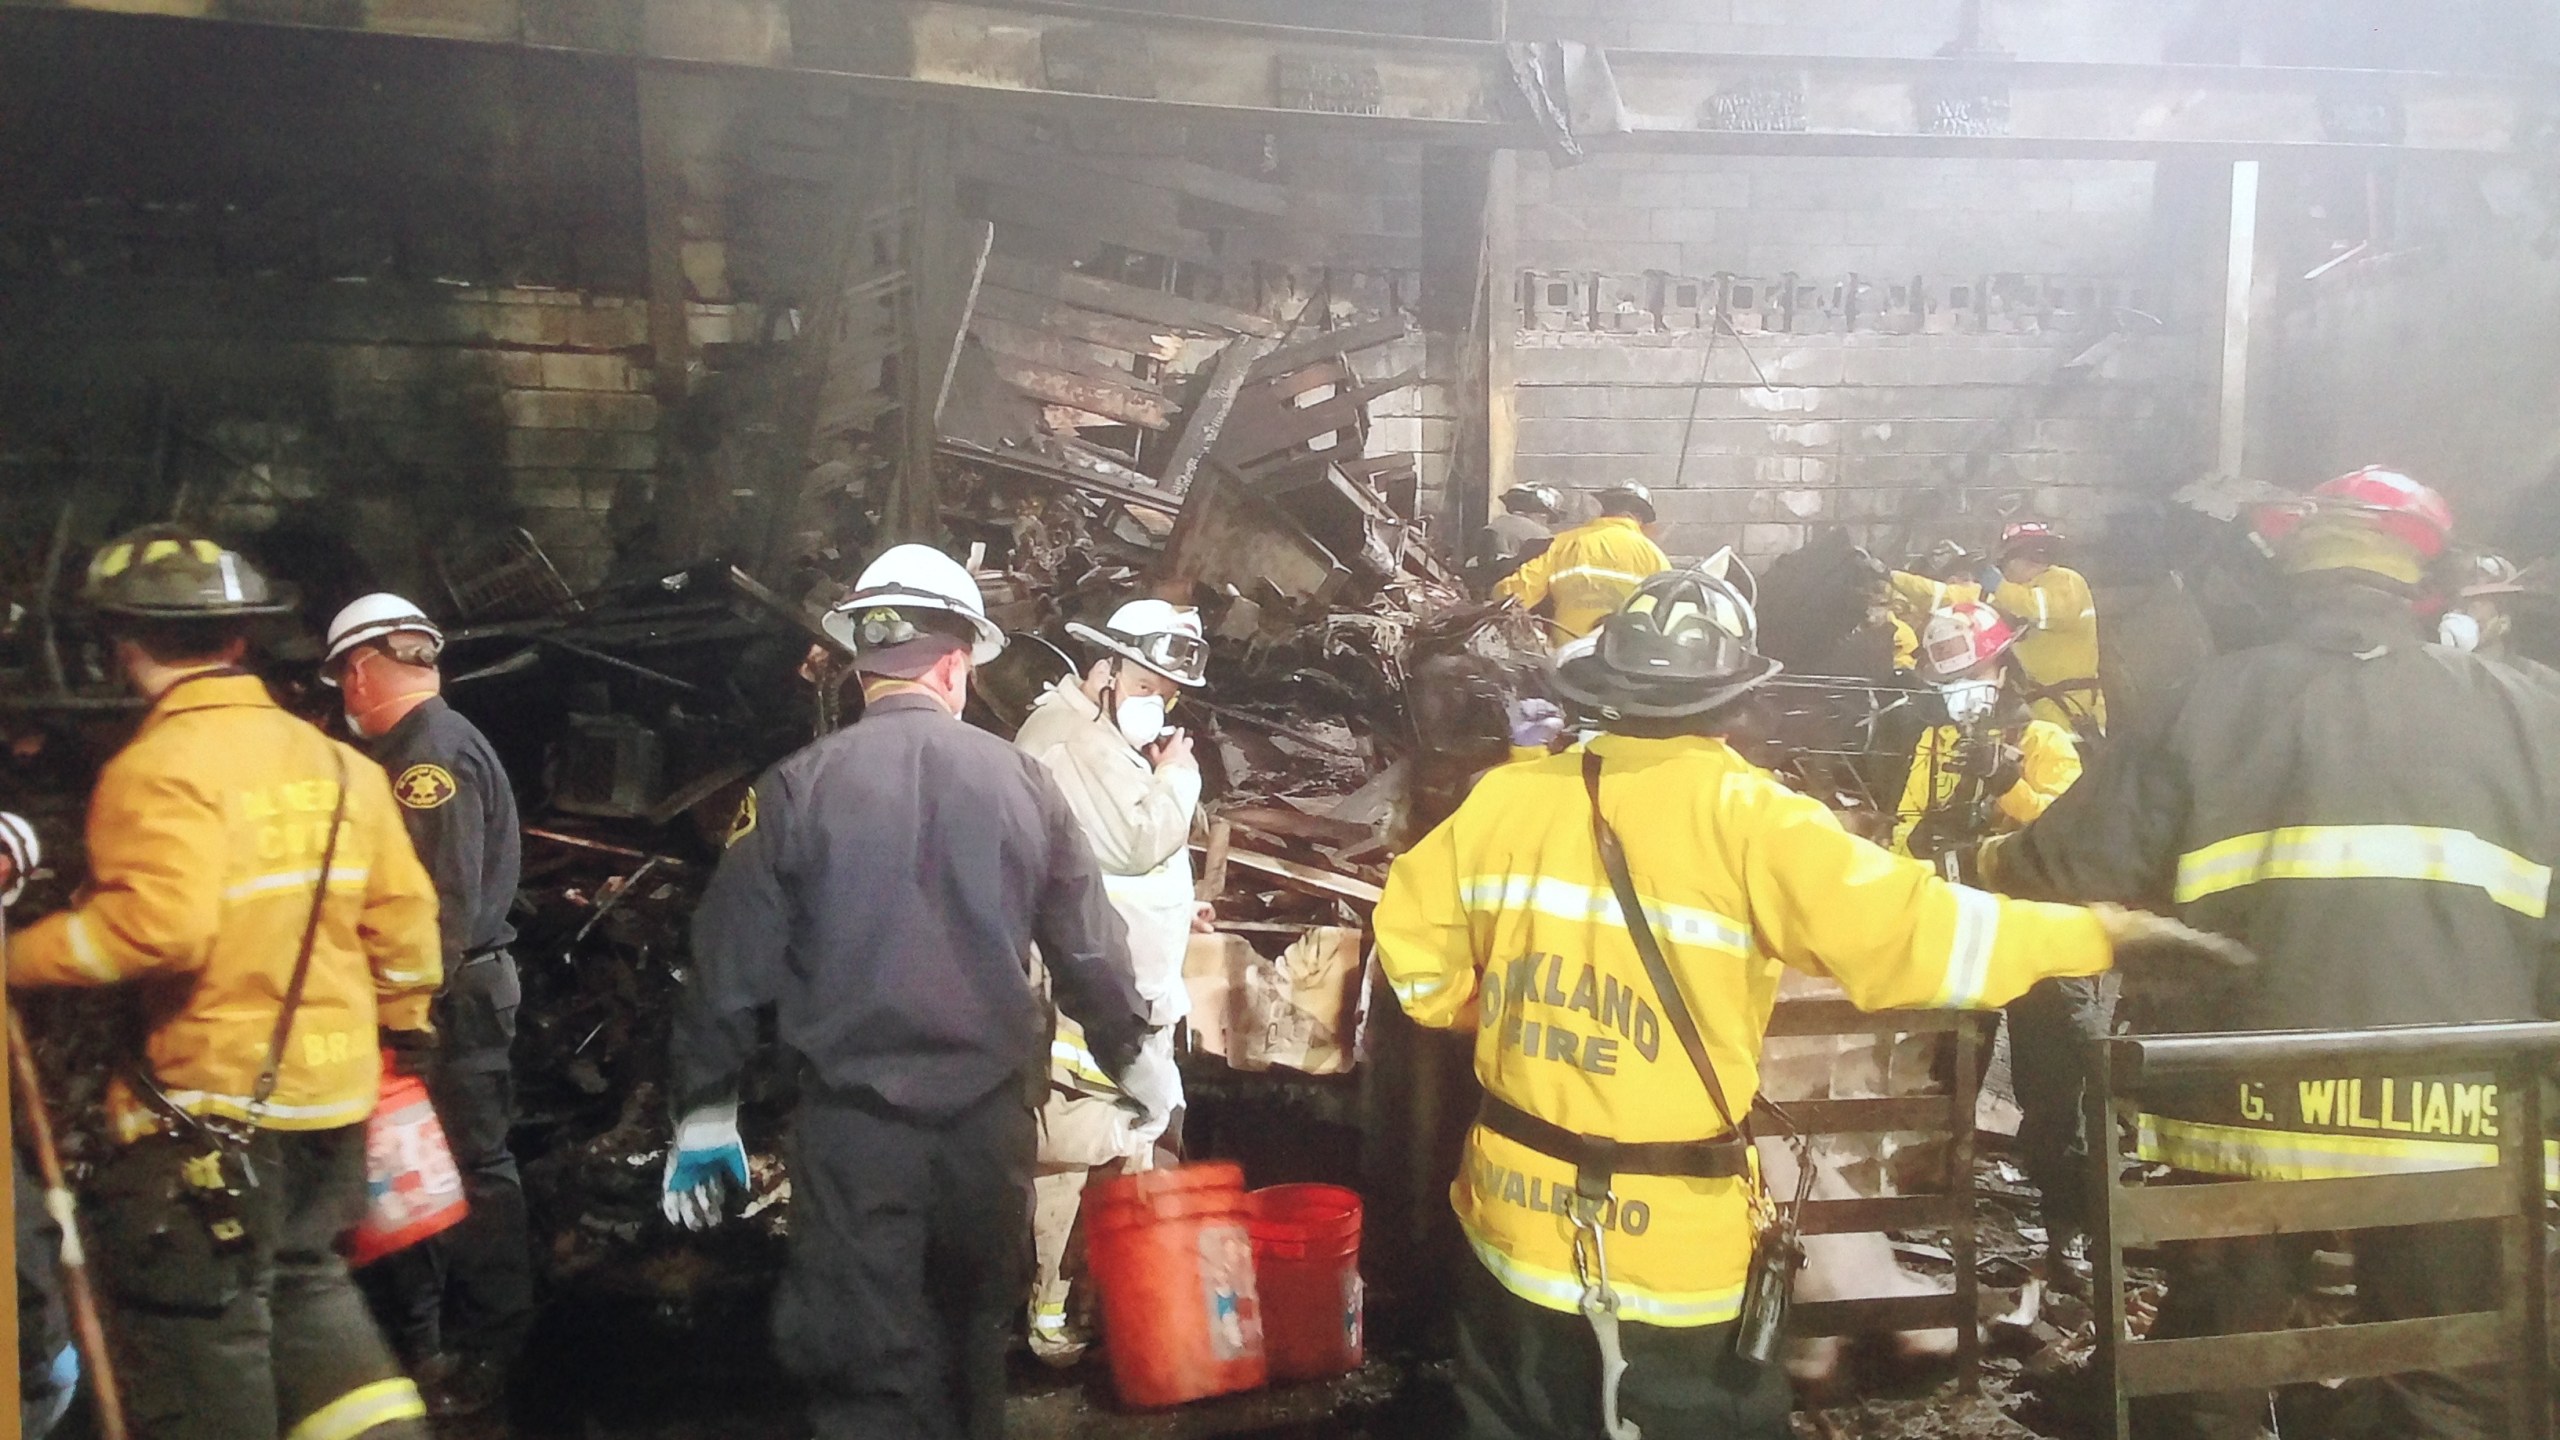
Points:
point(1138, 819)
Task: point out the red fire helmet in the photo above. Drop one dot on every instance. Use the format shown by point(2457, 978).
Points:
point(1960, 639)
point(2391, 502)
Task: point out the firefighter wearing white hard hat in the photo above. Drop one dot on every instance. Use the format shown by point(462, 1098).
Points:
point(880, 891)
point(460, 811)
point(907, 608)
point(1134, 785)
point(1605, 1192)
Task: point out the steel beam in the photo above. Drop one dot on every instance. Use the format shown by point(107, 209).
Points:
point(1462, 91)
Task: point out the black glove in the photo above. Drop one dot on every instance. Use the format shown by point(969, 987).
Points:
point(2007, 768)
point(1117, 1051)
point(2164, 960)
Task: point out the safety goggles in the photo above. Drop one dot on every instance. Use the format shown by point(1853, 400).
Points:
point(1184, 657)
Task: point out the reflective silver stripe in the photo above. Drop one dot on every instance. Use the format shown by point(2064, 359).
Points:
point(2044, 616)
point(403, 977)
point(85, 952)
point(1595, 572)
point(237, 1107)
point(1586, 904)
point(2367, 852)
point(1411, 992)
point(1558, 1291)
point(340, 877)
point(1969, 949)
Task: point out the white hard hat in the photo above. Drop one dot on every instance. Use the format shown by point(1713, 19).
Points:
point(18, 841)
point(375, 617)
point(912, 577)
point(1162, 636)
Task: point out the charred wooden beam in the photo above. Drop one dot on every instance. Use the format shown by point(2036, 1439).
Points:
point(1464, 91)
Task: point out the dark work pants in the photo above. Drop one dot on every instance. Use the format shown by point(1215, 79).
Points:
point(2049, 1031)
point(469, 1290)
point(260, 1344)
point(1529, 1373)
point(2221, 1287)
point(909, 1261)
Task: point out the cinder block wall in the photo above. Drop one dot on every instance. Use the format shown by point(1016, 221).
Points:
point(1921, 391)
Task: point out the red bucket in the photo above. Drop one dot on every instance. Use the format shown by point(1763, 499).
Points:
point(1306, 1259)
point(1172, 1260)
point(413, 1189)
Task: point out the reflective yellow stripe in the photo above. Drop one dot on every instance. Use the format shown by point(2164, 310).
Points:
point(1050, 1318)
point(2304, 1155)
point(85, 952)
point(360, 1410)
point(1558, 1291)
point(1078, 1062)
point(1496, 895)
point(2296, 1154)
point(2366, 852)
point(1969, 950)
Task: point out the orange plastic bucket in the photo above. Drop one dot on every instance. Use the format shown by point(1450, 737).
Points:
point(1306, 1260)
point(413, 1189)
point(1172, 1259)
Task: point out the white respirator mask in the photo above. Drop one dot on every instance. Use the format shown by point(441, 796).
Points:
point(1970, 700)
point(2459, 629)
point(1140, 718)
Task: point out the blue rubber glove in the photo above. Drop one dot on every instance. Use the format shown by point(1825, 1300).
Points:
point(1990, 579)
point(707, 1161)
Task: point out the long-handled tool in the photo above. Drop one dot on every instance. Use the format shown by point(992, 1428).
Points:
point(86, 1326)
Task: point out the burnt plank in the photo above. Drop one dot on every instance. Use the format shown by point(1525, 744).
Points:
point(1070, 322)
point(1307, 350)
point(2267, 1359)
point(1883, 1212)
point(1859, 1117)
point(1124, 403)
point(2228, 1209)
point(1094, 362)
point(1093, 292)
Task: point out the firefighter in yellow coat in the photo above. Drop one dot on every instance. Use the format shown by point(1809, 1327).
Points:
point(1983, 764)
point(1504, 920)
point(1592, 568)
point(228, 840)
point(1992, 767)
point(2057, 616)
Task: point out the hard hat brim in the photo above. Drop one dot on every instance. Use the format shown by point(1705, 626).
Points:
point(1581, 677)
point(274, 605)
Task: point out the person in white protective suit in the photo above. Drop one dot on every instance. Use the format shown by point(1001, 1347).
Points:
point(1134, 786)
